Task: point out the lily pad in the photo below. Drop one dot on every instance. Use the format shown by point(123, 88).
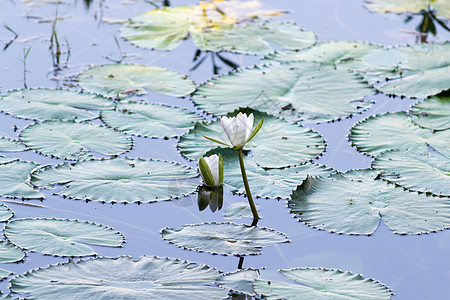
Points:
point(14, 180)
point(442, 7)
point(3, 275)
point(278, 143)
point(354, 203)
point(113, 180)
point(239, 210)
point(52, 104)
point(10, 145)
point(165, 28)
point(60, 237)
point(239, 281)
point(150, 120)
point(422, 173)
point(223, 238)
point(267, 183)
point(321, 284)
point(121, 278)
point(5, 213)
point(300, 90)
point(395, 131)
point(432, 113)
point(73, 141)
point(124, 80)
point(413, 71)
point(10, 253)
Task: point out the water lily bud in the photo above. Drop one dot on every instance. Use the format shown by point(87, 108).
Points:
point(211, 169)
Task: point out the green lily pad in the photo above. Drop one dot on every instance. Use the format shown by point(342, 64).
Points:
point(3, 275)
point(10, 145)
point(10, 253)
point(413, 71)
point(119, 180)
point(347, 54)
point(51, 104)
point(422, 173)
point(150, 120)
point(300, 90)
point(354, 203)
point(223, 238)
point(165, 28)
point(321, 284)
point(239, 210)
point(14, 180)
point(5, 213)
point(395, 131)
point(432, 113)
point(278, 143)
point(442, 7)
point(73, 141)
point(121, 278)
point(239, 281)
point(267, 183)
point(123, 80)
point(61, 237)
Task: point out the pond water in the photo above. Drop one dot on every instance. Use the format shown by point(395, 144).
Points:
point(413, 266)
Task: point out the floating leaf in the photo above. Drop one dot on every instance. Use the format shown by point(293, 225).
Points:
point(165, 28)
point(291, 145)
point(72, 140)
point(60, 237)
point(395, 131)
point(442, 7)
point(14, 180)
point(354, 203)
point(150, 120)
point(423, 173)
point(10, 253)
point(124, 80)
point(5, 213)
point(239, 210)
point(4, 274)
point(267, 183)
point(321, 284)
point(52, 104)
point(302, 90)
point(239, 281)
point(10, 145)
point(223, 238)
point(432, 113)
point(121, 278)
point(413, 71)
point(119, 180)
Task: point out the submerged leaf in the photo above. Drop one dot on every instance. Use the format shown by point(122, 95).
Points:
point(442, 7)
point(123, 80)
point(61, 237)
point(354, 203)
point(321, 284)
point(120, 180)
point(72, 140)
point(150, 120)
point(52, 104)
point(239, 210)
point(223, 238)
point(121, 278)
point(291, 145)
point(432, 113)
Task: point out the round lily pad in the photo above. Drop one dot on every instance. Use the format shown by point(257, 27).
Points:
point(223, 238)
point(14, 180)
point(395, 131)
point(442, 7)
point(3, 275)
point(150, 120)
point(432, 113)
point(239, 281)
point(10, 145)
point(322, 284)
point(5, 213)
point(119, 180)
point(60, 237)
point(422, 173)
point(298, 90)
point(74, 141)
point(10, 253)
point(121, 278)
point(123, 80)
point(278, 143)
point(354, 203)
point(53, 104)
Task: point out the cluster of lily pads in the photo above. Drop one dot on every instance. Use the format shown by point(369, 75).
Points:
point(407, 186)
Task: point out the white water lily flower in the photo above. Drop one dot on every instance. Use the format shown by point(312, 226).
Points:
point(211, 169)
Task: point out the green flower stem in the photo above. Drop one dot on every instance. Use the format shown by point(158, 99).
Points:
point(247, 187)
